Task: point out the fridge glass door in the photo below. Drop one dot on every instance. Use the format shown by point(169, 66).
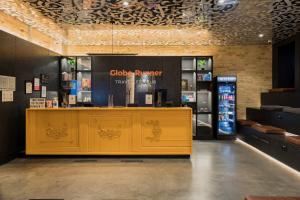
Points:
point(226, 108)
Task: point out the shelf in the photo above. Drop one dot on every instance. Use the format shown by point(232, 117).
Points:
point(204, 112)
point(188, 91)
point(189, 71)
point(203, 124)
point(204, 81)
point(84, 71)
point(200, 80)
point(84, 91)
point(204, 71)
point(189, 102)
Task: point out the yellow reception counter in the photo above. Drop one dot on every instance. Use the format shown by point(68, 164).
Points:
point(109, 131)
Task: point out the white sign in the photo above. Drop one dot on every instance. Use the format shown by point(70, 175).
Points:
point(36, 84)
point(44, 92)
point(72, 99)
point(28, 88)
point(37, 103)
point(7, 96)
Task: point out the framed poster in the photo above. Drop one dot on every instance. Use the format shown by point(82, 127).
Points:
point(28, 87)
point(7, 83)
point(36, 84)
point(44, 92)
point(44, 79)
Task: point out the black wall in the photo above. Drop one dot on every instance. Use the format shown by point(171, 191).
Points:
point(286, 63)
point(103, 84)
point(23, 60)
point(286, 73)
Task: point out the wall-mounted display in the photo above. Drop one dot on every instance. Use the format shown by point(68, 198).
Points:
point(28, 87)
point(36, 84)
point(43, 91)
point(196, 86)
point(37, 103)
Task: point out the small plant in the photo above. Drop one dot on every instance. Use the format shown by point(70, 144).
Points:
point(71, 62)
point(201, 64)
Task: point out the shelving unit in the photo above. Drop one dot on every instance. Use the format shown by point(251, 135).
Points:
point(196, 86)
point(75, 80)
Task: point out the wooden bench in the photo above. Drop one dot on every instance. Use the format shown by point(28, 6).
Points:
point(268, 129)
point(245, 122)
point(275, 90)
point(293, 139)
point(261, 128)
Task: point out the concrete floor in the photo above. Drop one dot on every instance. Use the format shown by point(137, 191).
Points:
point(217, 170)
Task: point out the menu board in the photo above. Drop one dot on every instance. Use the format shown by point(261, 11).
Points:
point(7, 83)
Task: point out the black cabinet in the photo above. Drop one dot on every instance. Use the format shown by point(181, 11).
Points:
point(196, 92)
point(75, 81)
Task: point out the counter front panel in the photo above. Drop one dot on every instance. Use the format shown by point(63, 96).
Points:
point(109, 131)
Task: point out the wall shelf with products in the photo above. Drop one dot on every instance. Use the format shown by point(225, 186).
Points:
point(196, 86)
point(75, 81)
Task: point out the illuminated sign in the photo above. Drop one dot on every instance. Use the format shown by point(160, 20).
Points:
point(227, 78)
point(137, 72)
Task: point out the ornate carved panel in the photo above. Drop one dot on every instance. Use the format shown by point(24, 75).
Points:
point(156, 130)
point(159, 130)
point(57, 132)
point(110, 132)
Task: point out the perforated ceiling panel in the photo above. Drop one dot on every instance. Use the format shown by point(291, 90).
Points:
point(231, 21)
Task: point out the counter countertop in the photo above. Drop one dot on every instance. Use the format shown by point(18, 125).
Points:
point(110, 108)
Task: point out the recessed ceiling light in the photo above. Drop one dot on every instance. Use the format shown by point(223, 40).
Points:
point(221, 1)
point(125, 3)
point(261, 35)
